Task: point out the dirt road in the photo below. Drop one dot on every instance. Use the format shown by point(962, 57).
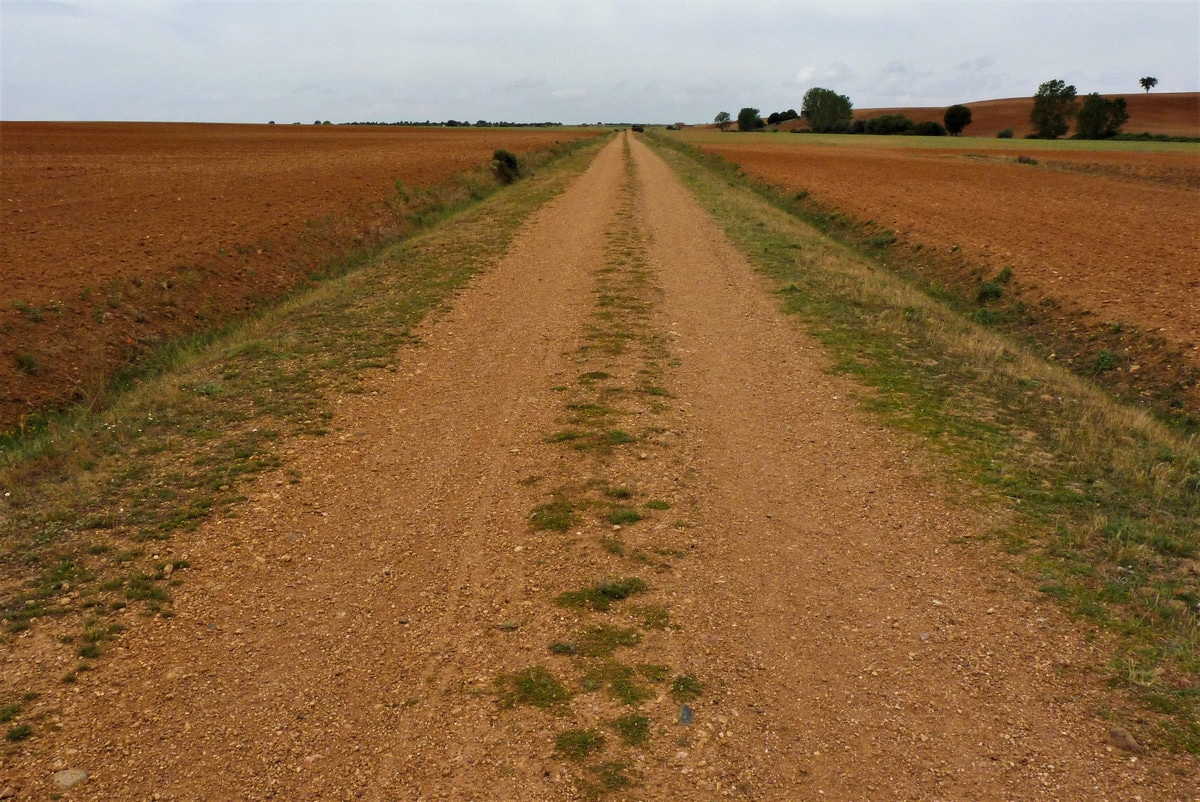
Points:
point(617, 399)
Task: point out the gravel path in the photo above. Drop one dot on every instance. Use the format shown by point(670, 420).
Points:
point(813, 595)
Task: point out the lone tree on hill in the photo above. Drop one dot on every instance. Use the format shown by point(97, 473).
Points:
point(748, 120)
point(722, 120)
point(826, 110)
point(1100, 118)
point(957, 118)
point(1148, 83)
point(1054, 107)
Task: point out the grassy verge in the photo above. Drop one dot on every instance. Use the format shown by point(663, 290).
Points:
point(92, 508)
point(1105, 499)
point(1138, 365)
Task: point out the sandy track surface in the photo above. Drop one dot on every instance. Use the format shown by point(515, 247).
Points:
point(343, 638)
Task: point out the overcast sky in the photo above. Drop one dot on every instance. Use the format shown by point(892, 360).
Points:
point(566, 61)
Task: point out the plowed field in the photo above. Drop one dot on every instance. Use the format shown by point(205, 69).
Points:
point(1110, 234)
point(116, 235)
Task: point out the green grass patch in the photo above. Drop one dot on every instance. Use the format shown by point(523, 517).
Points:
point(19, 733)
point(601, 597)
point(618, 680)
point(633, 729)
point(557, 515)
point(686, 688)
point(534, 686)
point(623, 516)
point(602, 641)
point(578, 744)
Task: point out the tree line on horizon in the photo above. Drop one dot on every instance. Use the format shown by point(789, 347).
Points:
point(1055, 106)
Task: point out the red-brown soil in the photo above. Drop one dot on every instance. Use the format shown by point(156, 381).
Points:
point(1113, 234)
point(116, 235)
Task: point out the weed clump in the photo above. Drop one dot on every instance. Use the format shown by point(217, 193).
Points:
point(624, 516)
point(1105, 361)
point(633, 729)
point(534, 686)
point(989, 291)
point(506, 166)
point(685, 688)
point(578, 744)
point(556, 515)
point(600, 597)
point(19, 733)
point(619, 680)
point(603, 641)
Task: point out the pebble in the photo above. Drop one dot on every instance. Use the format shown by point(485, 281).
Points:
point(8, 793)
point(69, 778)
point(685, 715)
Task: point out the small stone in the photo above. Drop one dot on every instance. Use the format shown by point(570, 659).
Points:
point(8, 793)
point(685, 714)
point(1123, 739)
point(69, 778)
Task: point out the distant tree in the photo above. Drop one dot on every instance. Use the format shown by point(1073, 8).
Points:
point(826, 110)
point(957, 118)
point(928, 128)
point(1100, 118)
point(778, 117)
point(1148, 83)
point(748, 120)
point(1054, 106)
point(723, 120)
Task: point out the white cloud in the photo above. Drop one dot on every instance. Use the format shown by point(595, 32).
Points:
point(525, 60)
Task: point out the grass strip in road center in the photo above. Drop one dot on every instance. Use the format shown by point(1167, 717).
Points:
point(1105, 500)
point(604, 504)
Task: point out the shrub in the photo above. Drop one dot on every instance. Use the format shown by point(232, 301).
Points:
point(888, 124)
point(1004, 133)
point(928, 128)
point(1105, 361)
point(28, 364)
point(506, 166)
point(989, 291)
